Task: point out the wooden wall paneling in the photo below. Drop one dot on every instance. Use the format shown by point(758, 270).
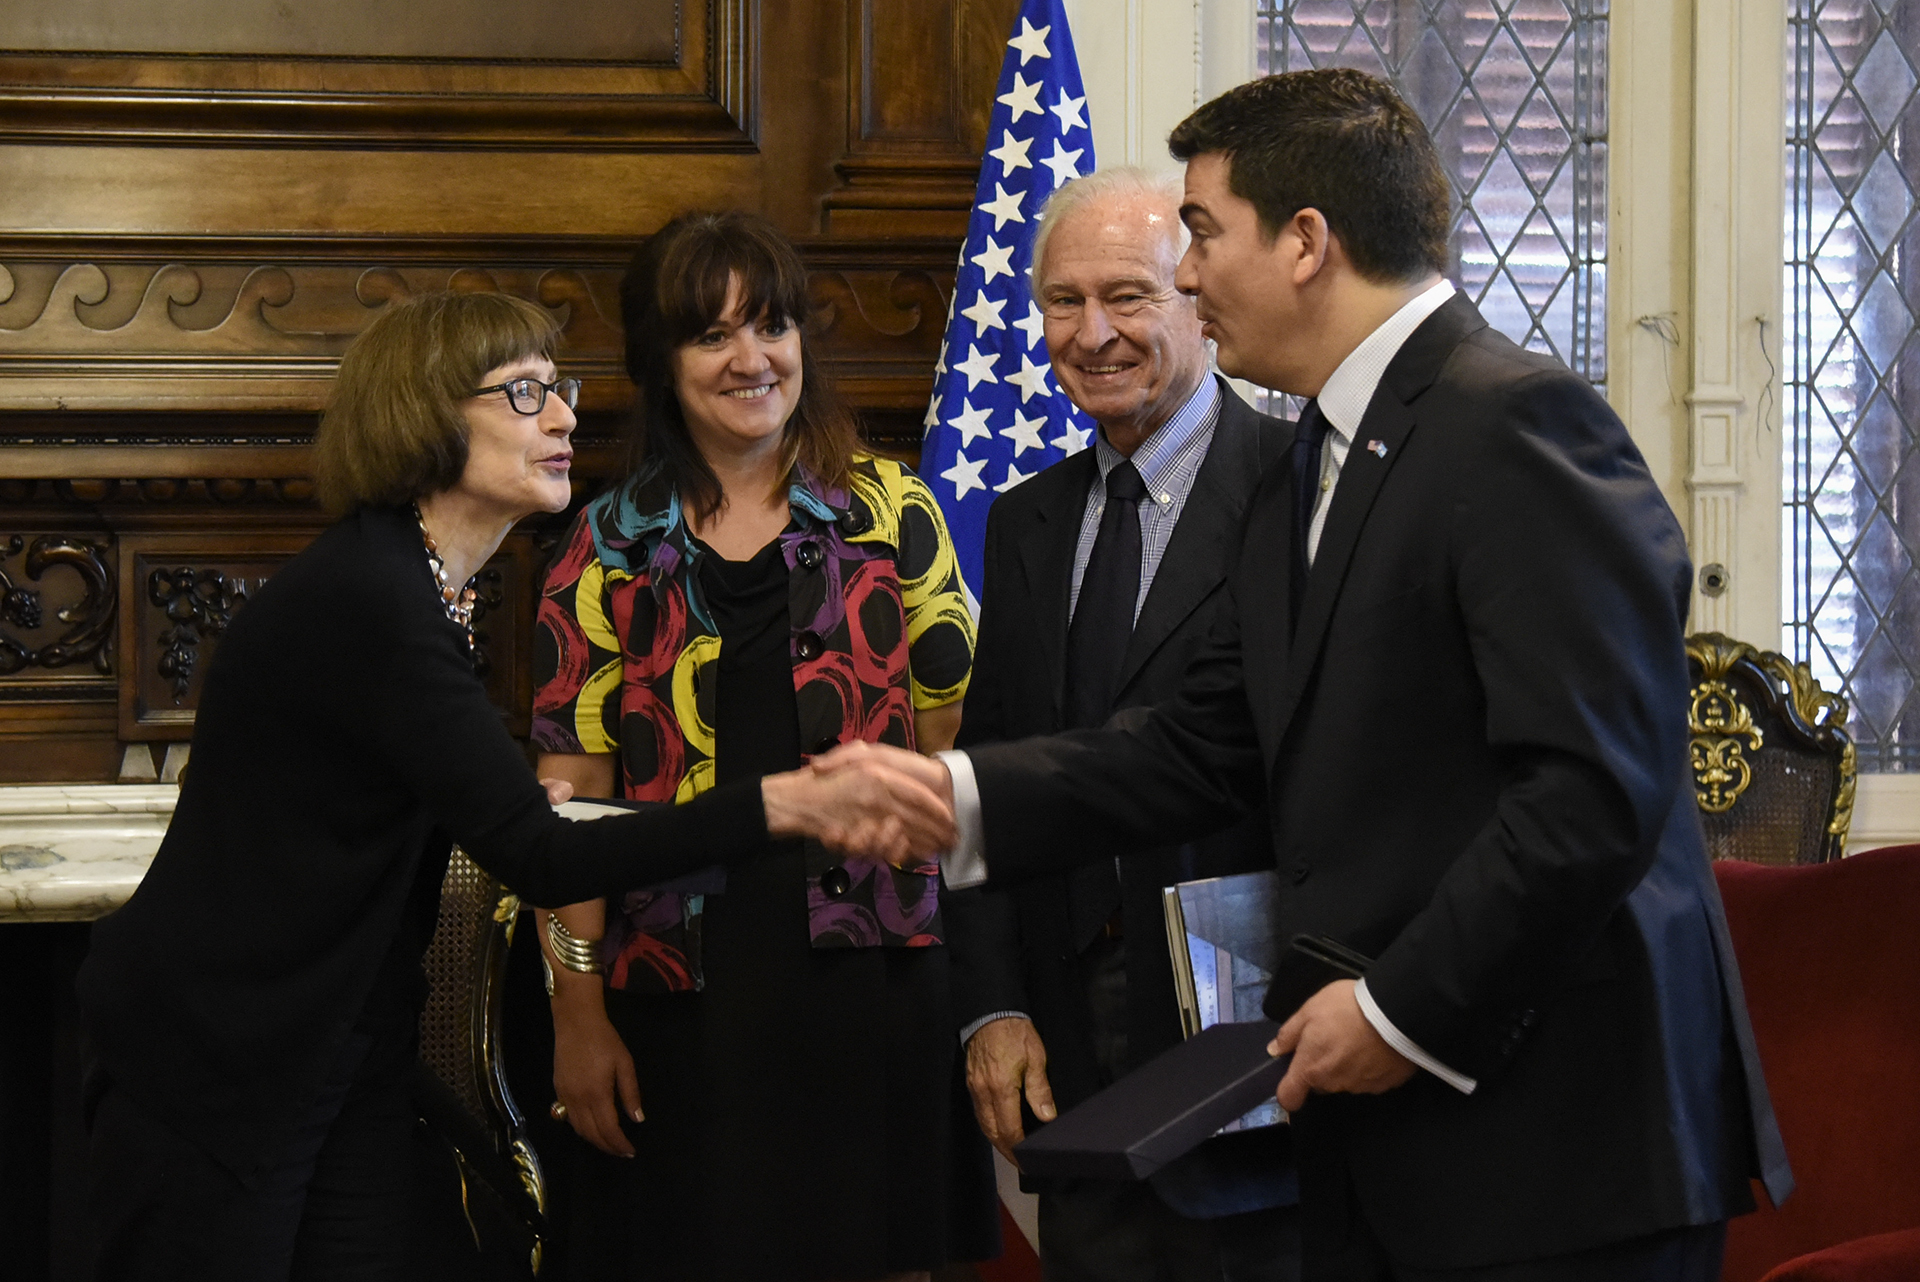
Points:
point(187, 244)
point(180, 591)
point(879, 319)
point(58, 597)
point(254, 327)
point(920, 87)
point(217, 353)
point(803, 80)
point(241, 192)
point(58, 590)
point(183, 588)
point(259, 323)
point(242, 75)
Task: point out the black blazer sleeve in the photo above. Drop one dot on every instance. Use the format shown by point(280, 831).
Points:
point(1150, 777)
point(430, 724)
point(983, 925)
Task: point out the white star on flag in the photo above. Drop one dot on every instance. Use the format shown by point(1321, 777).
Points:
point(978, 367)
point(1022, 98)
point(994, 260)
point(985, 313)
point(1011, 153)
point(1068, 109)
point(1064, 164)
point(1014, 477)
point(971, 423)
point(1031, 380)
point(965, 475)
point(933, 413)
point(1034, 326)
point(1072, 438)
point(1025, 433)
point(1030, 43)
point(1005, 207)
point(987, 420)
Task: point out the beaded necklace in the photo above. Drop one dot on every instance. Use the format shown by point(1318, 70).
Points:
point(459, 605)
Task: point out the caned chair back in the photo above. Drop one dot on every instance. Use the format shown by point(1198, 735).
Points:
point(1773, 765)
point(461, 1089)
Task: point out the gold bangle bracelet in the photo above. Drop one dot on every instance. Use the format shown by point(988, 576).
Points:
point(572, 952)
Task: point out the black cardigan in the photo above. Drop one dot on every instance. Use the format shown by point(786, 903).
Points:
point(342, 742)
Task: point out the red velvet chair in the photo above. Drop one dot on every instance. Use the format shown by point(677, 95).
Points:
point(1830, 954)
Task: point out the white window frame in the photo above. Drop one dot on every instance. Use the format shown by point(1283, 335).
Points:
point(1695, 253)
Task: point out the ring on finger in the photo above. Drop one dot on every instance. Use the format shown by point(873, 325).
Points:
point(557, 1111)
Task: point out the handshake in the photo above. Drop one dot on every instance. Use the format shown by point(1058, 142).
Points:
point(866, 801)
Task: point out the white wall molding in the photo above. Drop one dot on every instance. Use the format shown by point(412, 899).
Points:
point(1737, 180)
point(1649, 239)
point(1141, 61)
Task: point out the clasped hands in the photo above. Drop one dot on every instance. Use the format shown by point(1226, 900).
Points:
point(870, 801)
point(866, 801)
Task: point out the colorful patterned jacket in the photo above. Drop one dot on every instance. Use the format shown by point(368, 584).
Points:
point(626, 656)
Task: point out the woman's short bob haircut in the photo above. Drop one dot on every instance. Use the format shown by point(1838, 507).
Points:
point(675, 290)
point(394, 431)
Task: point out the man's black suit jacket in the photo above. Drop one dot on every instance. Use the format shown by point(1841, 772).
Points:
point(1013, 950)
point(1473, 748)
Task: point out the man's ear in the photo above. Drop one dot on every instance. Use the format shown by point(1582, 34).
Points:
point(1309, 244)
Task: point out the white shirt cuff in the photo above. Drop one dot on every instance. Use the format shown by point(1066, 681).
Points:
point(1400, 1042)
point(966, 1034)
point(966, 864)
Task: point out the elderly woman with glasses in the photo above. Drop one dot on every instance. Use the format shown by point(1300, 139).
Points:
point(758, 591)
point(251, 1012)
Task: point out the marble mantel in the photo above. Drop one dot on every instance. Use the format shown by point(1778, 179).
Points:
point(75, 852)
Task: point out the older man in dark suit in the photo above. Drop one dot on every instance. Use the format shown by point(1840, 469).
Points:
point(1104, 574)
point(1452, 660)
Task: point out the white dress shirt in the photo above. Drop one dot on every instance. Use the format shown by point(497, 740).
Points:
point(1343, 400)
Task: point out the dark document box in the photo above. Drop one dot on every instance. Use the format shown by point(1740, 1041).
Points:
point(1161, 1109)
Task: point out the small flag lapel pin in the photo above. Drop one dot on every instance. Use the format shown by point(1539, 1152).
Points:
point(1379, 448)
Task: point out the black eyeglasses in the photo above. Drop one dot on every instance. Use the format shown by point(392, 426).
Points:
point(529, 395)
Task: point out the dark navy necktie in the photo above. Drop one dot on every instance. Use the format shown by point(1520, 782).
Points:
point(1103, 616)
point(1096, 645)
point(1308, 436)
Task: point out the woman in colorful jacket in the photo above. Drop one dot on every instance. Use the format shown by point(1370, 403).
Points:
point(755, 593)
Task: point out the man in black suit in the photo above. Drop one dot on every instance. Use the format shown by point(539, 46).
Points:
point(1064, 983)
point(1453, 659)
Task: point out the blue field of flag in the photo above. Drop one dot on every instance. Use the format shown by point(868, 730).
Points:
point(997, 416)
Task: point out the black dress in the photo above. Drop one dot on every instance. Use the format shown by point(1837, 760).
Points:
point(342, 742)
point(800, 1108)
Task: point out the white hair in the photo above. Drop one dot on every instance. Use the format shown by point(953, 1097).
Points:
point(1119, 180)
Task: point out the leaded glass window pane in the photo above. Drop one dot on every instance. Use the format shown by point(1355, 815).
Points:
point(1852, 498)
point(1514, 93)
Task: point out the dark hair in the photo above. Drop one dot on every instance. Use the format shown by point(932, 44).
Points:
point(1339, 141)
point(394, 429)
point(674, 290)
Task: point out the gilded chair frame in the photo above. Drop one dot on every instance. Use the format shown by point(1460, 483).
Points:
point(1725, 734)
point(462, 1091)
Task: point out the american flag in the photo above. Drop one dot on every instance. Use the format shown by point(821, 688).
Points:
point(997, 416)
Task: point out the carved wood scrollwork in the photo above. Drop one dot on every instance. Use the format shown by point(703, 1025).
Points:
point(90, 619)
point(869, 315)
point(198, 604)
point(262, 333)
